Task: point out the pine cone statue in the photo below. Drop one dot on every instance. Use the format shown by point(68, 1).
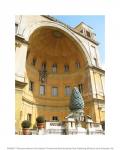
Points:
point(76, 100)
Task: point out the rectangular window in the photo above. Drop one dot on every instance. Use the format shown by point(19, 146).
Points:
point(54, 68)
point(80, 87)
point(88, 34)
point(42, 90)
point(31, 83)
point(66, 68)
point(55, 118)
point(77, 65)
point(67, 91)
point(81, 31)
point(16, 28)
point(44, 66)
point(54, 91)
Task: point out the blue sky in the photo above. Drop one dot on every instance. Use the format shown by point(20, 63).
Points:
point(96, 22)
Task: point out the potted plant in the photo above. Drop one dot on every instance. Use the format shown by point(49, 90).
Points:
point(40, 122)
point(25, 127)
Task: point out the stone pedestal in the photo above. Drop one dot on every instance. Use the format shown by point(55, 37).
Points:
point(41, 131)
point(81, 130)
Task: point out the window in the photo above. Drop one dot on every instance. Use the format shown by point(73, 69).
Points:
point(44, 66)
point(81, 31)
point(80, 87)
point(16, 28)
point(77, 65)
point(67, 91)
point(29, 117)
point(66, 68)
point(42, 90)
point(88, 34)
point(54, 68)
point(31, 85)
point(54, 91)
point(34, 61)
point(55, 118)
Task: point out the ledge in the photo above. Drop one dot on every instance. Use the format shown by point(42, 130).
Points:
point(45, 105)
point(21, 39)
point(97, 68)
point(20, 84)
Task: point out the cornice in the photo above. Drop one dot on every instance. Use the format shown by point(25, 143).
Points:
point(96, 68)
point(20, 84)
point(21, 39)
point(38, 104)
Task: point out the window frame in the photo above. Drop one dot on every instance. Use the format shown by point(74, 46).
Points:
point(77, 64)
point(53, 92)
point(54, 68)
point(88, 34)
point(81, 31)
point(43, 66)
point(67, 90)
point(66, 68)
point(55, 118)
point(43, 88)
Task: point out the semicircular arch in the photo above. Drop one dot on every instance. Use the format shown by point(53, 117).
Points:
point(33, 27)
